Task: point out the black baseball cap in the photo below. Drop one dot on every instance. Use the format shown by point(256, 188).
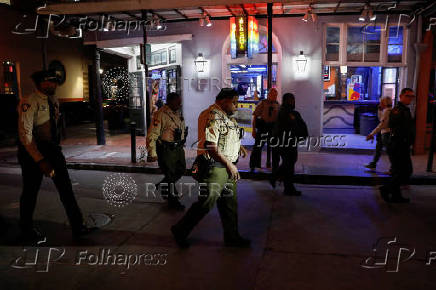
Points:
point(45, 75)
point(226, 93)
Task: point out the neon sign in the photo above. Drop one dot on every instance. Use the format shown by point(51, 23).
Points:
point(233, 37)
point(253, 36)
point(244, 36)
point(241, 34)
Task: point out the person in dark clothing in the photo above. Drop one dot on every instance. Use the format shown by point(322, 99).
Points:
point(402, 136)
point(289, 129)
point(40, 154)
point(263, 123)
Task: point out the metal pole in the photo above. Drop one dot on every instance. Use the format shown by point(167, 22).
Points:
point(147, 95)
point(432, 143)
point(44, 53)
point(133, 142)
point(269, 12)
point(99, 118)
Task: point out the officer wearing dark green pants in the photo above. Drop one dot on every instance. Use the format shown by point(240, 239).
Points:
point(40, 154)
point(219, 136)
point(165, 140)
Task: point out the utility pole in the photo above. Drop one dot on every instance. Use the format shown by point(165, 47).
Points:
point(98, 98)
point(270, 14)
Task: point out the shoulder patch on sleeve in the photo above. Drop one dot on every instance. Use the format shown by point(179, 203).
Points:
point(25, 107)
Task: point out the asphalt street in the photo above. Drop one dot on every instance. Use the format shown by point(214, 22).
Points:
point(325, 239)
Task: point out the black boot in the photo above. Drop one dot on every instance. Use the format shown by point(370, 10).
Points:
point(385, 193)
point(179, 237)
point(32, 235)
point(83, 231)
point(398, 198)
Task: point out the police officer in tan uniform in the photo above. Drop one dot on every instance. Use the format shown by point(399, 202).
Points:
point(39, 154)
point(264, 117)
point(165, 140)
point(222, 145)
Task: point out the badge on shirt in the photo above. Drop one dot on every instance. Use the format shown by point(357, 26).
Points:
point(25, 107)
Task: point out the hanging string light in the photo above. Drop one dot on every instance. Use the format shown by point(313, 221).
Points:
point(116, 84)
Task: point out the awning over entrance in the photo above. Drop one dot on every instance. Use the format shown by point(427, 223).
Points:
point(172, 10)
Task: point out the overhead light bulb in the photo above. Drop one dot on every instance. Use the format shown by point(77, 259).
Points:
point(306, 17)
point(208, 22)
point(158, 24)
point(372, 15)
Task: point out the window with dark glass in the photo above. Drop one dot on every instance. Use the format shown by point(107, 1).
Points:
point(354, 43)
point(363, 43)
point(372, 37)
point(332, 43)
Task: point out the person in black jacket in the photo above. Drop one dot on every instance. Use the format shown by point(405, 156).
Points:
point(288, 131)
point(402, 137)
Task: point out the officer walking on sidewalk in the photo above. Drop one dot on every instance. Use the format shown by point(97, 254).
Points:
point(222, 147)
point(264, 117)
point(165, 140)
point(402, 136)
point(39, 154)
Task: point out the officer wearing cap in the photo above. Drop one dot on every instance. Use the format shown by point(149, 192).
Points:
point(264, 117)
point(221, 144)
point(39, 154)
point(165, 140)
point(402, 136)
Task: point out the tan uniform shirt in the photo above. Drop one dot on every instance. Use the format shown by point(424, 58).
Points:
point(34, 121)
point(162, 127)
point(267, 111)
point(218, 128)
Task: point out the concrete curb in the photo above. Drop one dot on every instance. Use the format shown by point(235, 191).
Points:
point(299, 178)
point(319, 179)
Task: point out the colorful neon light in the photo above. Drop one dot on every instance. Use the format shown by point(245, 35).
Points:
point(253, 36)
point(233, 37)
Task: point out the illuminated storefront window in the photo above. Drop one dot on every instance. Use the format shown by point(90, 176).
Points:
point(395, 44)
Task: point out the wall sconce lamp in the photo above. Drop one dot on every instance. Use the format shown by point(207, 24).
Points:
point(200, 63)
point(301, 62)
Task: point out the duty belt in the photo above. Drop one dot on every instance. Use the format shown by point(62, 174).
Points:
point(173, 144)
